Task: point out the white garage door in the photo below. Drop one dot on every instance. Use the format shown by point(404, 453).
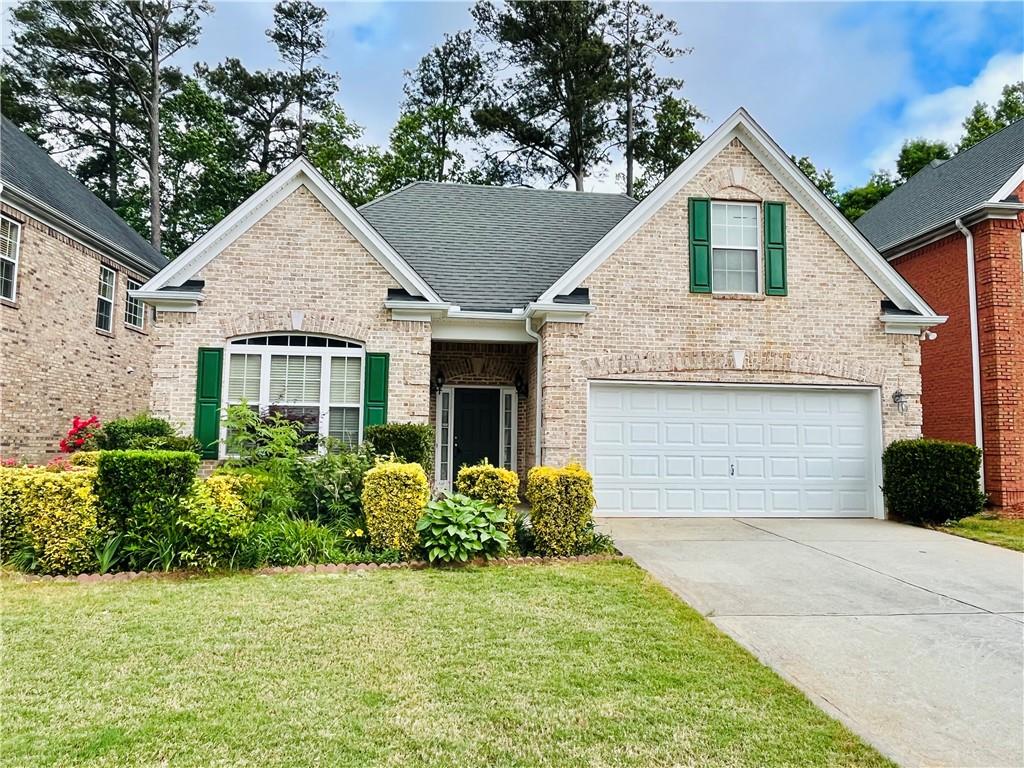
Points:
point(691, 451)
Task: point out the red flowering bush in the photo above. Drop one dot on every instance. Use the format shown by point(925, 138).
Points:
point(81, 430)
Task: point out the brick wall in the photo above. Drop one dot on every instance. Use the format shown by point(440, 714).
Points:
point(55, 364)
point(298, 258)
point(648, 326)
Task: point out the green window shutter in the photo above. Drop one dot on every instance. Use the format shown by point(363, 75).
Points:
point(775, 249)
point(375, 390)
point(700, 245)
point(208, 380)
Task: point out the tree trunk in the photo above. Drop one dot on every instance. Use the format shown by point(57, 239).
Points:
point(154, 142)
point(113, 199)
point(629, 100)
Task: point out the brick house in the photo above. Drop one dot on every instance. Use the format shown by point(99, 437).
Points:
point(728, 346)
point(72, 339)
point(955, 231)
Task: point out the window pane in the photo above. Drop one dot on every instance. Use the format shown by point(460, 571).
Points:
point(8, 239)
point(733, 270)
point(294, 379)
point(345, 379)
point(306, 415)
point(343, 424)
point(244, 378)
point(7, 279)
point(104, 313)
point(132, 307)
point(106, 287)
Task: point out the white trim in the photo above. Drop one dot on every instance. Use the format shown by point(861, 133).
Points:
point(933, 233)
point(100, 297)
point(266, 351)
point(1009, 187)
point(449, 448)
point(16, 226)
point(298, 173)
point(740, 125)
point(877, 427)
point(129, 296)
point(910, 324)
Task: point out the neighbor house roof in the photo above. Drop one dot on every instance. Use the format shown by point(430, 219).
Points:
point(942, 192)
point(26, 168)
point(493, 248)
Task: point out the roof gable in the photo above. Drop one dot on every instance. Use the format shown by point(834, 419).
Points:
point(940, 193)
point(493, 248)
point(742, 127)
point(297, 174)
point(29, 172)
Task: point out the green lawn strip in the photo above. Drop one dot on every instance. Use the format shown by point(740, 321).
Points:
point(574, 665)
point(1003, 532)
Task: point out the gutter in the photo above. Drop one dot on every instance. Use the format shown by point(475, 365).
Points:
point(972, 297)
point(537, 388)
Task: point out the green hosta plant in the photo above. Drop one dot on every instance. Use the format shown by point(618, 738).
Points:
point(456, 528)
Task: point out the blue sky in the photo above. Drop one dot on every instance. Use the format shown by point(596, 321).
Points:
point(842, 82)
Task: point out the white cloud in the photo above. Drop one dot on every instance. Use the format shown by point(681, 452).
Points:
point(940, 116)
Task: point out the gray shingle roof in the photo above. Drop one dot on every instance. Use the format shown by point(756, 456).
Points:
point(939, 194)
point(492, 248)
point(26, 166)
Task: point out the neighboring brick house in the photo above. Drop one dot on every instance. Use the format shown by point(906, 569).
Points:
point(72, 340)
point(729, 346)
point(973, 374)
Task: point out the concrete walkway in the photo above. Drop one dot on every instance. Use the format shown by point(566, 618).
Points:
point(913, 638)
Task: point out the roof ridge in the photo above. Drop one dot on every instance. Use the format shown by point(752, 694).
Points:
point(502, 187)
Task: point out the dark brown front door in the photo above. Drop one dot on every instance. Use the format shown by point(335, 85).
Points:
point(475, 426)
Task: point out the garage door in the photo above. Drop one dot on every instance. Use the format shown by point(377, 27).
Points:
point(681, 451)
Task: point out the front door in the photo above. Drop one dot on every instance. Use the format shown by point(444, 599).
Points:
point(475, 428)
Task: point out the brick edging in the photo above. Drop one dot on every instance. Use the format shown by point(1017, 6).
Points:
point(326, 568)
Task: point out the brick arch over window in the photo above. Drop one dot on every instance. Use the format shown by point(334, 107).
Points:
point(710, 360)
point(462, 370)
point(734, 183)
point(295, 321)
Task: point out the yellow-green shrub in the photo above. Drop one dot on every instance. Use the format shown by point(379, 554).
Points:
point(54, 513)
point(497, 486)
point(561, 508)
point(394, 496)
point(84, 458)
point(217, 519)
point(12, 509)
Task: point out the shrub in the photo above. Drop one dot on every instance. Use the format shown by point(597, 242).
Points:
point(330, 486)
point(457, 528)
point(125, 434)
point(269, 448)
point(84, 458)
point(495, 485)
point(54, 515)
point(411, 443)
point(284, 540)
point(168, 443)
point(562, 509)
point(393, 499)
point(931, 481)
point(216, 519)
point(141, 493)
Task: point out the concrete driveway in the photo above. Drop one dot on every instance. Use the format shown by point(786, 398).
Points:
point(913, 638)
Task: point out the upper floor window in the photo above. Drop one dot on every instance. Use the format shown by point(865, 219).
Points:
point(133, 314)
point(734, 248)
point(105, 300)
point(10, 237)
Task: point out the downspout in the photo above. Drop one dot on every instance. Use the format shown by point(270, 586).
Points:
point(537, 388)
point(972, 297)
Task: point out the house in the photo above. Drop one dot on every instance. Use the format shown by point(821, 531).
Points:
point(955, 232)
point(73, 341)
point(729, 346)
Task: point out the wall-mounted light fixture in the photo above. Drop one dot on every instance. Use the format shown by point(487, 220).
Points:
point(901, 400)
point(438, 383)
point(520, 384)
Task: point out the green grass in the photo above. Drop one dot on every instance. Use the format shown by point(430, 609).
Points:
point(1002, 532)
point(575, 665)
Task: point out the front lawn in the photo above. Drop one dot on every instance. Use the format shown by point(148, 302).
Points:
point(1003, 532)
point(571, 665)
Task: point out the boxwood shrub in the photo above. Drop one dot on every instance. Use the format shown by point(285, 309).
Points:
point(140, 490)
point(561, 509)
point(394, 496)
point(410, 443)
point(931, 481)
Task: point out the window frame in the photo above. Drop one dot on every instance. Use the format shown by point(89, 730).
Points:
point(112, 299)
point(758, 248)
point(16, 228)
point(266, 351)
point(130, 302)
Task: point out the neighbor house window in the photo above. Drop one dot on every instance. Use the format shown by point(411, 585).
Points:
point(10, 235)
point(105, 300)
point(734, 248)
point(133, 313)
point(314, 380)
